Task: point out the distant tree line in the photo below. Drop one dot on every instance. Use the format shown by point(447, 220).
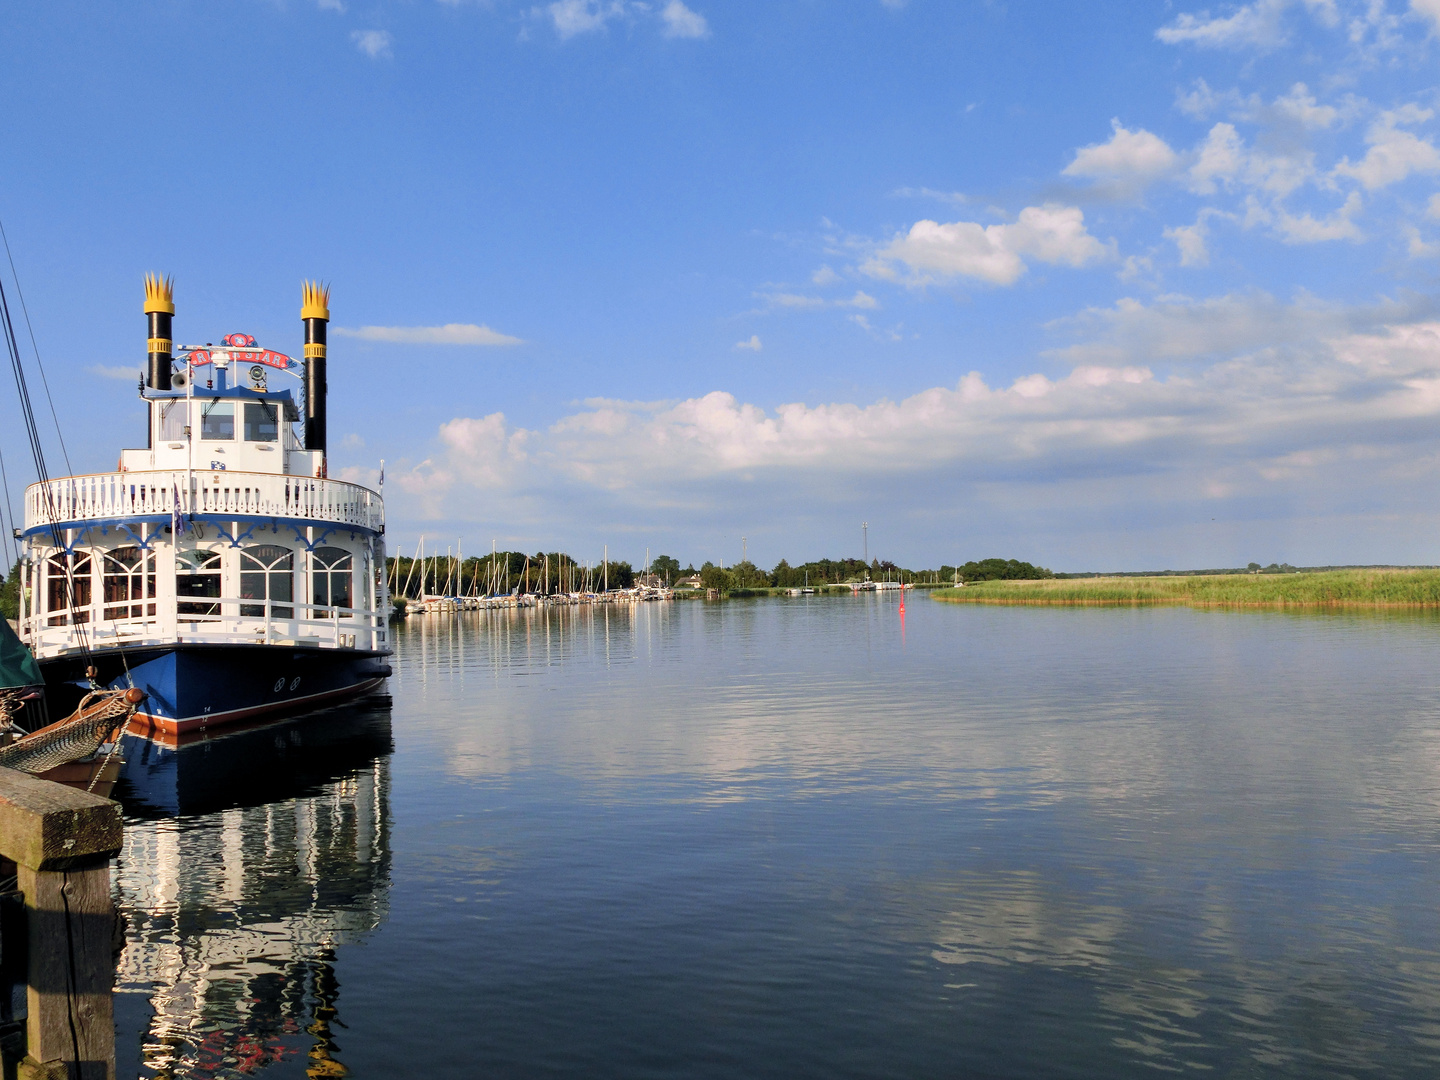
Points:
point(1000, 570)
point(745, 575)
point(10, 594)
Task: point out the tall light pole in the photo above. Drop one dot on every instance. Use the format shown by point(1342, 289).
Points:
point(744, 549)
point(865, 537)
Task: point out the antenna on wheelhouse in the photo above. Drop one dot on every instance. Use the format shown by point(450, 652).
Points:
point(315, 311)
point(159, 306)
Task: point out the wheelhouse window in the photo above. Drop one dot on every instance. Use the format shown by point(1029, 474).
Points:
point(217, 421)
point(128, 579)
point(174, 416)
point(267, 572)
point(331, 578)
point(197, 582)
point(68, 588)
point(262, 422)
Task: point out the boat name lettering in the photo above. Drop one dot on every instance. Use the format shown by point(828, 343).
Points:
point(268, 357)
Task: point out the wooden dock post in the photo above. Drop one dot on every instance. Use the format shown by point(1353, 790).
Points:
point(61, 841)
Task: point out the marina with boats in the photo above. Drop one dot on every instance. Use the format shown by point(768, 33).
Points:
point(493, 584)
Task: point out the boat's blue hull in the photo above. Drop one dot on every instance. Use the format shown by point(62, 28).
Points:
point(197, 687)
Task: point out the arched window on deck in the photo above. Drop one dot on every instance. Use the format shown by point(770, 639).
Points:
point(331, 579)
point(267, 572)
point(197, 576)
point(129, 576)
point(64, 573)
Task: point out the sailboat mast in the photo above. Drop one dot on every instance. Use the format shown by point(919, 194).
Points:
point(419, 554)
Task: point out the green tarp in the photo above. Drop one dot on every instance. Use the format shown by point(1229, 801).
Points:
point(17, 666)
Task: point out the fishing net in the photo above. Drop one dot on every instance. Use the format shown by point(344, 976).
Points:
point(101, 714)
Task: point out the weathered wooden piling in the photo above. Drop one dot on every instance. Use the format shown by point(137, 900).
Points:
point(62, 841)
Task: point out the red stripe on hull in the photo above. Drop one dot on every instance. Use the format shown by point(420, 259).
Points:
point(185, 724)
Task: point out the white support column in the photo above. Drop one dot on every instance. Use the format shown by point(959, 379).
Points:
point(230, 578)
point(306, 573)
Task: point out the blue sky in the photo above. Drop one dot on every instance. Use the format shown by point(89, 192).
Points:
point(1111, 286)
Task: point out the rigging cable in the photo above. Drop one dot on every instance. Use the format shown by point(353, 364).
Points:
point(65, 453)
point(37, 451)
point(7, 514)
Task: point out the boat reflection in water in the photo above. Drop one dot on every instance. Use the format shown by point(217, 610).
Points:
point(249, 858)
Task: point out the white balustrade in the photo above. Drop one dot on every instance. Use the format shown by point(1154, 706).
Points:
point(312, 624)
point(109, 496)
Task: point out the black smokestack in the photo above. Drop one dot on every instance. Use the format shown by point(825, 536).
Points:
point(159, 306)
point(315, 311)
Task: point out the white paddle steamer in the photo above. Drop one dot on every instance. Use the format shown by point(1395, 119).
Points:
point(218, 569)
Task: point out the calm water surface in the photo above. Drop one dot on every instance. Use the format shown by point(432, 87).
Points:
point(807, 838)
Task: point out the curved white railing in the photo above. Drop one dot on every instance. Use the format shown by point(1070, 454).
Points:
point(302, 624)
point(138, 494)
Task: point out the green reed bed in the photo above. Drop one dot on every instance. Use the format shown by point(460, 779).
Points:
point(1329, 588)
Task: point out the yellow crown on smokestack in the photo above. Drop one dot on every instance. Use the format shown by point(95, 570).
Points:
point(315, 300)
point(159, 294)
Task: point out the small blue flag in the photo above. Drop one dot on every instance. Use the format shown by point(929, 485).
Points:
point(178, 524)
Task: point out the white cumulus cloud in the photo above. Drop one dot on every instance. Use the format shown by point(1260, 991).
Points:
point(1256, 25)
point(449, 334)
point(753, 344)
point(1251, 25)
point(1417, 247)
point(1394, 154)
point(1427, 9)
point(1190, 240)
point(1181, 328)
point(801, 301)
point(1220, 157)
point(574, 17)
point(1129, 156)
point(1159, 412)
point(1051, 233)
point(373, 43)
point(1054, 234)
point(1244, 411)
point(961, 248)
point(681, 22)
point(1224, 157)
point(1307, 229)
point(571, 17)
point(1301, 106)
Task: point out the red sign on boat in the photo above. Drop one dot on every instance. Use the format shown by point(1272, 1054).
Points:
point(241, 349)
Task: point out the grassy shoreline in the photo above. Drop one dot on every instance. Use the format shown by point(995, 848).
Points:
point(1375, 588)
